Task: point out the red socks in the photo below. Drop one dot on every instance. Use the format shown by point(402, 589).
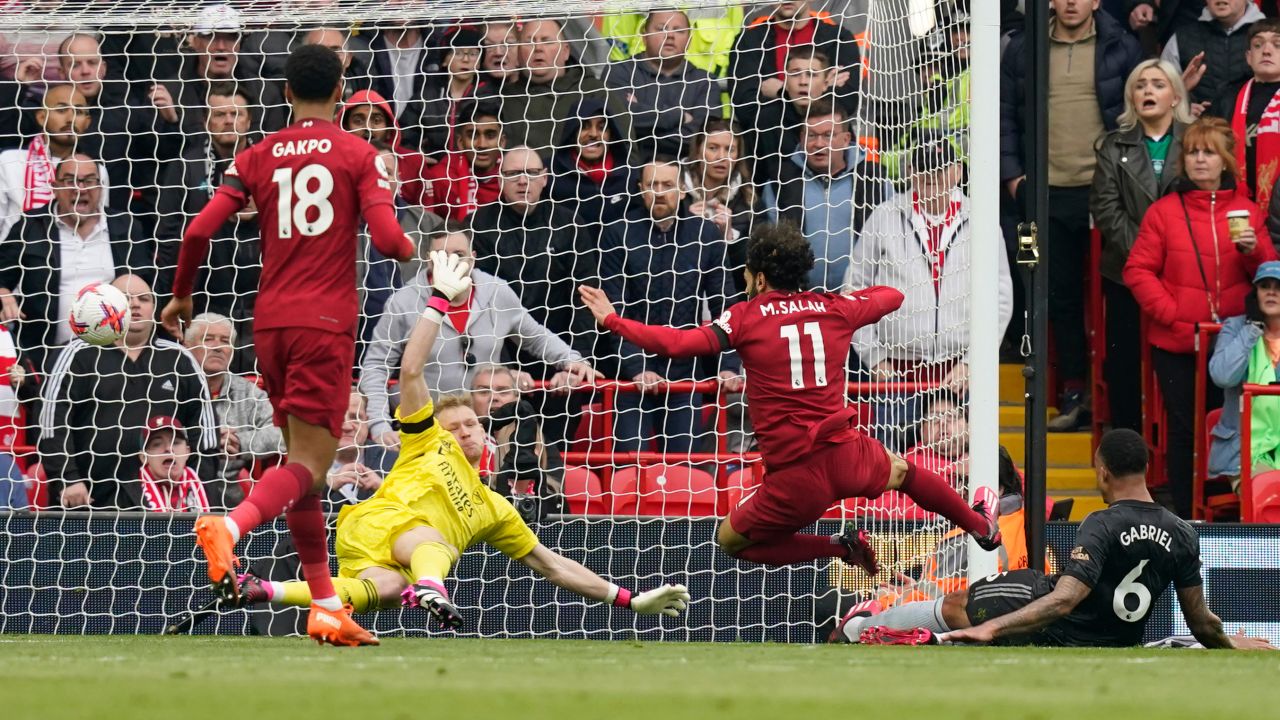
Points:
point(306, 525)
point(796, 548)
point(278, 489)
point(934, 494)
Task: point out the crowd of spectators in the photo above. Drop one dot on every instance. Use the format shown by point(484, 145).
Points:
point(640, 165)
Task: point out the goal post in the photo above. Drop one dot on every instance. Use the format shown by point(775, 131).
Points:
point(896, 81)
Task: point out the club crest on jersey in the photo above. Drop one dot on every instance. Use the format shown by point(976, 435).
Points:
point(786, 307)
point(289, 148)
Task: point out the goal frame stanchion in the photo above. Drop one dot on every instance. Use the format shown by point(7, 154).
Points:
point(984, 324)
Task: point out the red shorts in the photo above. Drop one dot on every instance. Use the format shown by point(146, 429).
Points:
point(307, 373)
point(796, 495)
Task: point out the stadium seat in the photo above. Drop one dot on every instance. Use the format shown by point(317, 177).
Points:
point(38, 491)
point(677, 490)
point(591, 429)
point(1211, 503)
point(740, 483)
point(582, 491)
point(624, 487)
point(1266, 498)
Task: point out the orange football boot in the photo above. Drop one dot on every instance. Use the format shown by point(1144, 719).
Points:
point(337, 628)
point(214, 538)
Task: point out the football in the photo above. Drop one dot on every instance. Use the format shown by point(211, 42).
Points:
point(100, 315)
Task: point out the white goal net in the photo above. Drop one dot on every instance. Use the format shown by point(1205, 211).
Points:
point(628, 145)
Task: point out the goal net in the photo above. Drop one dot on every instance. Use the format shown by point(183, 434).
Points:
point(626, 144)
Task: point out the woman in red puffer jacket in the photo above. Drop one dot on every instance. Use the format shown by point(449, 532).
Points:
point(1184, 269)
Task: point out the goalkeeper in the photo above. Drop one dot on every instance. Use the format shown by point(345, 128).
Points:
point(399, 545)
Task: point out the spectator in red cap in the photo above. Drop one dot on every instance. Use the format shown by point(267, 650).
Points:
point(168, 485)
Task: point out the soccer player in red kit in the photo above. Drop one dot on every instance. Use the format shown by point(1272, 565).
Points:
point(311, 183)
point(793, 346)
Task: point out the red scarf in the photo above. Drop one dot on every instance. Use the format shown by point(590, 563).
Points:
point(185, 496)
point(1266, 152)
point(598, 172)
point(937, 254)
point(37, 181)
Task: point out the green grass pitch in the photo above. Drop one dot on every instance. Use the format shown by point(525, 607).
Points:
point(232, 678)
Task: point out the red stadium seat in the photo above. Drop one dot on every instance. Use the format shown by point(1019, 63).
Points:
point(1266, 498)
point(676, 490)
point(1208, 504)
point(625, 487)
point(582, 491)
point(38, 492)
point(740, 484)
point(591, 429)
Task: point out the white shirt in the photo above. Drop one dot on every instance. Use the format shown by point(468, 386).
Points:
point(404, 65)
point(83, 261)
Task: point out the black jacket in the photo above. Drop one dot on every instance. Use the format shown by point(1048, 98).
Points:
point(1224, 61)
point(754, 59)
point(227, 282)
point(1116, 54)
point(543, 255)
point(266, 99)
point(383, 82)
point(30, 264)
point(592, 203)
point(96, 403)
point(663, 278)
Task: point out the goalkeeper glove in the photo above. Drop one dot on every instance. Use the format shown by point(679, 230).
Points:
point(668, 600)
point(450, 275)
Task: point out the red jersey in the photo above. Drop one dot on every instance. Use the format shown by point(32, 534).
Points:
point(311, 183)
point(453, 190)
point(793, 347)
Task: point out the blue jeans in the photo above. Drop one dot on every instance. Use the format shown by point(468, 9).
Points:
point(13, 486)
point(672, 418)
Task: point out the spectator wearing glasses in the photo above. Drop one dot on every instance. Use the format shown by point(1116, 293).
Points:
point(462, 82)
point(475, 330)
point(54, 251)
point(213, 54)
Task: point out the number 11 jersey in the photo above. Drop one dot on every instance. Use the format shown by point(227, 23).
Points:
point(311, 182)
point(793, 347)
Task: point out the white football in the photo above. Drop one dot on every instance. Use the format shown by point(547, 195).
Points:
point(100, 315)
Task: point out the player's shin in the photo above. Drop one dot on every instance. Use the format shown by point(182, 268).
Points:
point(430, 563)
point(935, 494)
point(361, 595)
point(306, 525)
point(908, 616)
point(795, 548)
point(278, 489)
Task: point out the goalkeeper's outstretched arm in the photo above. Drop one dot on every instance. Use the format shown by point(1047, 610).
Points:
point(570, 575)
point(450, 277)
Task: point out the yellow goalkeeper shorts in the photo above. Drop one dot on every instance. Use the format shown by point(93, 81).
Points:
point(367, 533)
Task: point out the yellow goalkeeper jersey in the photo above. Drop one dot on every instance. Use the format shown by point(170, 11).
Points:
point(431, 484)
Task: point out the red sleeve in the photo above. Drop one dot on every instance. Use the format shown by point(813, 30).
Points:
point(386, 234)
point(668, 341)
point(195, 242)
point(867, 306)
point(1143, 268)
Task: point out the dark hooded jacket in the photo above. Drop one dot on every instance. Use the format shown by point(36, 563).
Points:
point(411, 165)
point(591, 202)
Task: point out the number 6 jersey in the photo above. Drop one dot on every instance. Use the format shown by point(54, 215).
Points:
point(1128, 553)
point(311, 183)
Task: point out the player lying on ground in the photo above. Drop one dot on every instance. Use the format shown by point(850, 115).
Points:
point(311, 183)
point(400, 544)
point(1124, 559)
point(796, 399)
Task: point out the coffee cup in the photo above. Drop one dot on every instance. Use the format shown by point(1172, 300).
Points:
point(1237, 223)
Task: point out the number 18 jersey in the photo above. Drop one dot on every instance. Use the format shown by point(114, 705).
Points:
point(793, 347)
point(310, 183)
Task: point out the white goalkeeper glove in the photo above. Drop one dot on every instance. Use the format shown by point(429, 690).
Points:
point(668, 600)
point(450, 275)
